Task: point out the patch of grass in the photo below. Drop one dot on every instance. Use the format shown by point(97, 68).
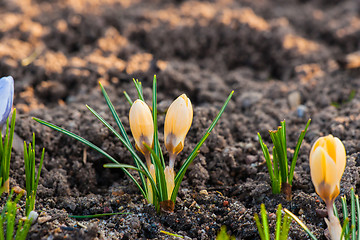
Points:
point(280, 175)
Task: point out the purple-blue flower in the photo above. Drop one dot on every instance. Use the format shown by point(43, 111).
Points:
point(6, 98)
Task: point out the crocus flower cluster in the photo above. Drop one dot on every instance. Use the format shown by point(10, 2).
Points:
point(6, 98)
point(177, 124)
point(327, 165)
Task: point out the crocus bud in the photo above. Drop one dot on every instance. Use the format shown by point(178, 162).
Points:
point(6, 98)
point(141, 125)
point(177, 124)
point(169, 177)
point(327, 165)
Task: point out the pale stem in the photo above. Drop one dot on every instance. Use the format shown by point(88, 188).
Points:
point(172, 160)
point(148, 160)
point(330, 210)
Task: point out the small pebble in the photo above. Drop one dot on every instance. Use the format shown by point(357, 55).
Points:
point(226, 203)
point(294, 99)
point(301, 110)
point(110, 225)
point(204, 192)
point(42, 220)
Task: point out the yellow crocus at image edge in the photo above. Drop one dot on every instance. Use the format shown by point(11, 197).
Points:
point(177, 124)
point(327, 165)
point(142, 126)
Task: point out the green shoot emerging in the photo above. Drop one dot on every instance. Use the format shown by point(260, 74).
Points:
point(280, 176)
point(8, 219)
point(154, 181)
point(282, 224)
point(5, 153)
point(223, 235)
point(32, 179)
point(351, 224)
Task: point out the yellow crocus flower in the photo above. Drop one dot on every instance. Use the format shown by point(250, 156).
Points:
point(327, 165)
point(142, 127)
point(177, 124)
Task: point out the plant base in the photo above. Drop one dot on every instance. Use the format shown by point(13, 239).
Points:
point(286, 189)
point(167, 206)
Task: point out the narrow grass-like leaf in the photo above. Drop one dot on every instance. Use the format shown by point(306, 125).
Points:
point(139, 89)
point(353, 213)
point(296, 152)
point(161, 175)
point(280, 153)
point(259, 227)
point(282, 138)
point(129, 148)
point(120, 165)
point(266, 154)
point(179, 176)
point(86, 142)
point(97, 215)
point(285, 227)
point(358, 216)
point(278, 223)
point(128, 98)
point(306, 229)
point(344, 226)
point(122, 130)
point(277, 173)
point(335, 210)
point(345, 213)
point(171, 234)
point(265, 222)
point(157, 147)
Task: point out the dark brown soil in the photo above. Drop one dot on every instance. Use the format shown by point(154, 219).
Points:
point(292, 60)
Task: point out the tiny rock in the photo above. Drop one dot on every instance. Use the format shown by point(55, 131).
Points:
point(44, 219)
point(294, 99)
point(204, 192)
point(301, 110)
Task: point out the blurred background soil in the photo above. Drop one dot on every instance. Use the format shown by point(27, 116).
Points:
point(292, 60)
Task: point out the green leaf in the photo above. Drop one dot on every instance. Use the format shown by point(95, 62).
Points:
point(259, 227)
point(278, 223)
point(353, 213)
point(345, 213)
point(265, 222)
point(306, 229)
point(296, 152)
point(266, 154)
point(86, 142)
point(122, 130)
point(97, 215)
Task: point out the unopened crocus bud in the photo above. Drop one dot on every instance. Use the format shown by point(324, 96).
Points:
point(177, 124)
point(169, 177)
point(142, 126)
point(6, 98)
point(327, 165)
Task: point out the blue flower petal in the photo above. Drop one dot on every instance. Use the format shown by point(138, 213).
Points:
point(6, 98)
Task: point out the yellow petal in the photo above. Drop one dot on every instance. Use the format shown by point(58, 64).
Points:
point(169, 177)
point(177, 123)
point(148, 183)
point(141, 125)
